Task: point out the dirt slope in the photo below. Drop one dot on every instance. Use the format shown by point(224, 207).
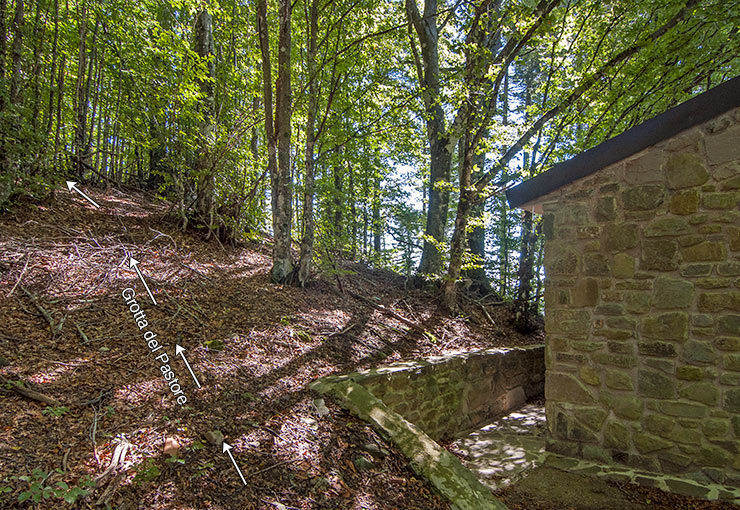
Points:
point(254, 347)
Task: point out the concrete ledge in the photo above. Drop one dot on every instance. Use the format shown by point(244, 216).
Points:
point(445, 471)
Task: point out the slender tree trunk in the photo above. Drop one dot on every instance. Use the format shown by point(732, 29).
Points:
point(38, 39)
point(457, 246)
point(52, 72)
point(279, 139)
point(17, 54)
point(306, 253)
point(377, 221)
point(522, 305)
point(439, 140)
point(80, 105)
point(60, 97)
point(205, 169)
point(477, 235)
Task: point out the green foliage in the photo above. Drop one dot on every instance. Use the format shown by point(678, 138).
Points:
point(38, 490)
point(55, 411)
point(146, 471)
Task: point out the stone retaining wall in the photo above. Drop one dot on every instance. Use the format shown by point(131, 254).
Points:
point(449, 395)
point(643, 308)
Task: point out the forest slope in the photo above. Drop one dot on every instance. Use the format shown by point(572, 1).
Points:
point(253, 345)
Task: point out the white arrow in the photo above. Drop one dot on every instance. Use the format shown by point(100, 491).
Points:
point(179, 352)
point(72, 185)
point(135, 264)
point(227, 448)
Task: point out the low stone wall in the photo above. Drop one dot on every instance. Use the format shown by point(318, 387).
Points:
point(448, 395)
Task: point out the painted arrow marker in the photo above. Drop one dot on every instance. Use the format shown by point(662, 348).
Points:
point(179, 351)
point(133, 263)
point(227, 448)
point(72, 186)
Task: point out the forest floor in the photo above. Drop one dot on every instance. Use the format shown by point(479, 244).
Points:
point(67, 332)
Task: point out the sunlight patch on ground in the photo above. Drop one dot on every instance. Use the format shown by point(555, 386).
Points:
point(500, 453)
point(61, 368)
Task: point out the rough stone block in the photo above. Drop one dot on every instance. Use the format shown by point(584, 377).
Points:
point(589, 375)
point(643, 198)
point(660, 349)
point(560, 259)
point(683, 409)
point(685, 171)
point(708, 251)
point(704, 392)
point(605, 209)
point(684, 202)
point(723, 147)
point(695, 351)
point(617, 435)
point(620, 236)
point(595, 264)
point(659, 424)
point(727, 343)
point(576, 322)
point(672, 293)
point(690, 373)
point(732, 362)
point(729, 325)
point(667, 227)
point(637, 302)
point(693, 270)
point(647, 443)
point(716, 428)
point(666, 326)
point(566, 388)
point(729, 269)
point(659, 255)
point(616, 360)
point(618, 380)
point(734, 234)
point(711, 455)
point(726, 200)
point(624, 266)
point(655, 385)
point(628, 407)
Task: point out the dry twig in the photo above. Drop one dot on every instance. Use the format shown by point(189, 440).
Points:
point(19, 388)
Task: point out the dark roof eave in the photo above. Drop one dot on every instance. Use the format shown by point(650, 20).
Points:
point(693, 112)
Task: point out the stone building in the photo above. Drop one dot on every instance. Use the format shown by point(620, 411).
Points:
point(642, 302)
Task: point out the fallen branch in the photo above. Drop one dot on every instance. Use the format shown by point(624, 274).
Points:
point(47, 315)
point(119, 455)
point(390, 312)
point(25, 266)
point(268, 468)
point(18, 387)
point(82, 334)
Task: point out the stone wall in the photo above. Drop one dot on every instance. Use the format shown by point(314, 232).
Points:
point(447, 395)
point(643, 308)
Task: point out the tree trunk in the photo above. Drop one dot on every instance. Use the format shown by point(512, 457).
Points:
point(522, 305)
point(306, 253)
point(205, 170)
point(52, 72)
point(17, 54)
point(457, 246)
point(439, 142)
point(279, 139)
point(477, 235)
point(80, 105)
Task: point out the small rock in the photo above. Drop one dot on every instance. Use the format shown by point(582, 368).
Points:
point(375, 450)
point(310, 422)
point(362, 464)
point(171, 447)
point(320, 407)
point(4, 362)
point(215, 437)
